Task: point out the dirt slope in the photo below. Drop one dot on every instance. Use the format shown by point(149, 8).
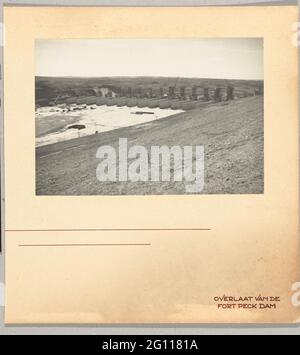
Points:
point(232, 134)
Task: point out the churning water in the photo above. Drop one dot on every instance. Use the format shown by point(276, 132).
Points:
point(92, 121)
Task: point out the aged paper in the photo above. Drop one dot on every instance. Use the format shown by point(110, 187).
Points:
point(150, 258)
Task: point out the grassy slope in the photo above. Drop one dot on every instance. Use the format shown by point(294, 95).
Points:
point(232, 135)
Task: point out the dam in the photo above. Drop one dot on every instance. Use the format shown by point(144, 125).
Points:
point(124, 107)
point(173, 97)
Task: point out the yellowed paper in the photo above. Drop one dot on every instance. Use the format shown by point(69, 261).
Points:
point(152, 259)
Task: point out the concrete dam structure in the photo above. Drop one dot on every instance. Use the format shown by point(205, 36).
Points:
point(176, 98)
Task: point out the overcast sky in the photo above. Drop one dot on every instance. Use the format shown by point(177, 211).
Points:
point(199, 58)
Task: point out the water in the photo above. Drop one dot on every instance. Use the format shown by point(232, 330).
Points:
point(98, 120)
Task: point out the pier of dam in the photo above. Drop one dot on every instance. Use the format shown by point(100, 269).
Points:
point(177, 98)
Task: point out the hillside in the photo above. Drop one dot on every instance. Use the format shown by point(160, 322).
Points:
point(232, 134)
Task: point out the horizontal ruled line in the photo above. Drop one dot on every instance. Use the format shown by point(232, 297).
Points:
point(86, 245)
point(111, 230)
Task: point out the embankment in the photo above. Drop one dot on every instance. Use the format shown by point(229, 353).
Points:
point(232, 134)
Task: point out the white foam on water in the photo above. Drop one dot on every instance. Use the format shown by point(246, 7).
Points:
point(104, 119)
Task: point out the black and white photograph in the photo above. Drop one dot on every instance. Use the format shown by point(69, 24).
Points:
point(149, 116)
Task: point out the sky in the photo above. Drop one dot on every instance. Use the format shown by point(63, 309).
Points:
point(228, 58)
